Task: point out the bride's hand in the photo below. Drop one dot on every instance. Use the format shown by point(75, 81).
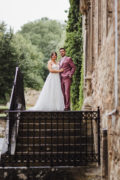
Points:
point(61, 70)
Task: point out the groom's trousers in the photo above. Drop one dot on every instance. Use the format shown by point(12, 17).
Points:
point(65, 85)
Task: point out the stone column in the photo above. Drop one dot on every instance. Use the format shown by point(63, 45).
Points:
point(87, 105)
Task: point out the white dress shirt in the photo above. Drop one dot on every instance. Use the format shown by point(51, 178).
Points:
point(61, 61)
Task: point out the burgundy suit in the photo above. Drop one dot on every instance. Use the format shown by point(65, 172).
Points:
point(66, 75)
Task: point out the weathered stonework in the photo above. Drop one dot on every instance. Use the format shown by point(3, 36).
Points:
point(100, 56)
point(88, 173)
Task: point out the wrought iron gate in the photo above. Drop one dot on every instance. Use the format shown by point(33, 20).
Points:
point(60, 139)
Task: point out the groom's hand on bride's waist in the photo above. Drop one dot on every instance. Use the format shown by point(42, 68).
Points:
point(61, 70)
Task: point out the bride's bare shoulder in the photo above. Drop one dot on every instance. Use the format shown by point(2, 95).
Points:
point(49, 62)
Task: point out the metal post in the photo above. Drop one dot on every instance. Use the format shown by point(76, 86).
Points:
point(104, 159)
point(98, 127)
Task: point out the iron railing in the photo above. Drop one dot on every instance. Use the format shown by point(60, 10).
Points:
point(17, 101)
point(59, 139)
point(46, 139)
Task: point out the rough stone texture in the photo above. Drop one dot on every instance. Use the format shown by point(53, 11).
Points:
point(99, 50)
point(103, 77)
point(83, 173)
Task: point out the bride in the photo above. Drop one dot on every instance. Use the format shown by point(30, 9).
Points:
point(51, 97)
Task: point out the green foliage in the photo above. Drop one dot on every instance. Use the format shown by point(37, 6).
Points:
point(29, 49)
point(74, 48)
point(17, 51)
point(7, 62)
point(30, 61)
point(45, 34)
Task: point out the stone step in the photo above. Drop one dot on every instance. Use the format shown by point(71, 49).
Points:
point(49, 140)
point(53, 148)
point(49, 132)
point(50, 126)
point(46, 163)
point(79, 173)
point(44, 159)
point(49, 120)
point(55, 140)
point(49, 153)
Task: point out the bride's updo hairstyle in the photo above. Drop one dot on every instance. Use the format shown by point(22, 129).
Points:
point(53, 54)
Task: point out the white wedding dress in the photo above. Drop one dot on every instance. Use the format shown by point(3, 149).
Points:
point(51, 97)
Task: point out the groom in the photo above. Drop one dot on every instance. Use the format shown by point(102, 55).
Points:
point(69, 68)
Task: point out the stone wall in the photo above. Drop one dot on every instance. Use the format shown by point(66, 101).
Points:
point(99, 68)
point(103, 78)
point(114, 125)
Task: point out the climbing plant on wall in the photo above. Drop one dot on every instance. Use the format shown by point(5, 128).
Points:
point(74, 49)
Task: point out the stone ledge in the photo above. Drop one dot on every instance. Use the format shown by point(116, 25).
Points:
point(83, 173)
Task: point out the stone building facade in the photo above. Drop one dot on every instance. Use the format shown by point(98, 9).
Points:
point(101, 34)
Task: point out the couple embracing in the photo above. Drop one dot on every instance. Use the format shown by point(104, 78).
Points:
point(55, 94)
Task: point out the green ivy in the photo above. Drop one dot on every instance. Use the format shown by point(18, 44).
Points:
point(74, 49)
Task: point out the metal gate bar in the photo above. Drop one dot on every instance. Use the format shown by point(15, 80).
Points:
point(60, 139)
